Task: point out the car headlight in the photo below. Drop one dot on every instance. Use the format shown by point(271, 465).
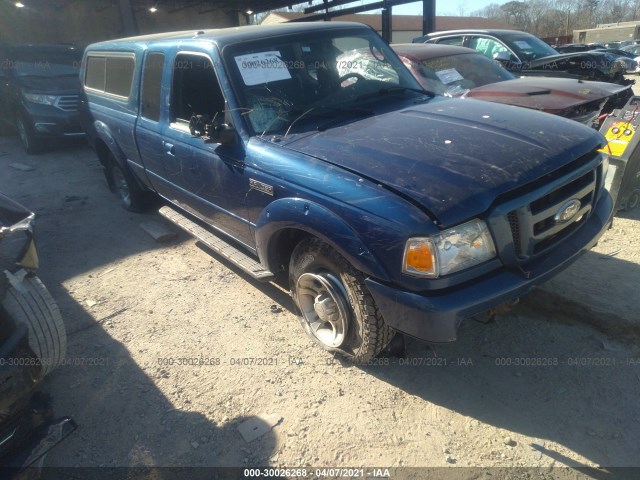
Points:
point(450, 251)
point(39, 98)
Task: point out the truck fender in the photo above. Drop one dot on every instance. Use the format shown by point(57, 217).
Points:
point(314, 219)
point(104, 134)
point(106, 138)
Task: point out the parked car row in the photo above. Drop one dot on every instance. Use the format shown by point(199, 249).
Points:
point(627, 52)
point(525, 54)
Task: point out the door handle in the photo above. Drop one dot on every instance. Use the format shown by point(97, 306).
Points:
point(169, 148)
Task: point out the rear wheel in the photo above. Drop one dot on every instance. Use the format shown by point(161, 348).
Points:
point(338, 312)
point(34, 306)
point(122, 183)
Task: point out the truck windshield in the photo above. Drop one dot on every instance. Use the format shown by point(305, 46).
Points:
point(286, 83)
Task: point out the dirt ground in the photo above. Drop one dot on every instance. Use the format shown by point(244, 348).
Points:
point(172, 349)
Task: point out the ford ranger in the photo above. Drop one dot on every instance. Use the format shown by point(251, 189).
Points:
point(390, 210)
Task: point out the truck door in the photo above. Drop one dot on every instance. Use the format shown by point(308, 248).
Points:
point(149, 125)
point(206, 179)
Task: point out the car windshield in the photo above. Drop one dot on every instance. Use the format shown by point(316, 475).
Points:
point(47, 63)
point(453, 75)
point(288, 83)
point(528, 47)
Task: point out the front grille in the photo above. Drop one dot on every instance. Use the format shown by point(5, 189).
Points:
point(68, 103)
point(526, 226)
point(514, 225)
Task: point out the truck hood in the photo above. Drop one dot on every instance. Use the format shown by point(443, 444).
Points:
point(553, 95)
point(451, 156)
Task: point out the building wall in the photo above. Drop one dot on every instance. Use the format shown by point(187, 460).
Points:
point(87, 21)
point(608, 33)
point(404, 36)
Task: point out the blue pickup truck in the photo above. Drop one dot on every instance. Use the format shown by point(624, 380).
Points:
point(389, 209)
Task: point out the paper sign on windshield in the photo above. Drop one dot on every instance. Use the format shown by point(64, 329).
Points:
point(262, 67)
point(522, 44)
point(449, 75)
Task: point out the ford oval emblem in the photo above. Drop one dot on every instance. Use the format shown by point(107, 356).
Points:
point(567, 211)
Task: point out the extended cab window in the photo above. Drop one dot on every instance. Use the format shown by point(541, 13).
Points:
point(151, 86)
point(110, 73)
point(195, 89)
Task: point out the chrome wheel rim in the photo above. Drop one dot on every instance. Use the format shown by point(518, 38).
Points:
point(323, 302)
point(633, 201)
point(121, 186)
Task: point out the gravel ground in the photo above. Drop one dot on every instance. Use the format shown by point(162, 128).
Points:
point(172, 349)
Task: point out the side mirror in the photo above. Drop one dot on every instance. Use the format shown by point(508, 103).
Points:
point(224, 134)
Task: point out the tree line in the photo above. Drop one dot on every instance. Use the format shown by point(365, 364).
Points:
point(554, 18)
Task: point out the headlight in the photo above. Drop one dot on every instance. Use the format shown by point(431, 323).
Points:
point(450, 251)
point(38, 98)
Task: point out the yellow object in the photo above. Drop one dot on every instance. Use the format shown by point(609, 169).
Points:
point(618, 137)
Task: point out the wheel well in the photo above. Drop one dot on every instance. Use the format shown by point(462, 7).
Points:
point(103, 152)
point(281, 246)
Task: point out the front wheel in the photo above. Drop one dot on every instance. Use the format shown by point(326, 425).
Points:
point(33, 305)
point(29, 142)
point(338, 311)
point(633, 200)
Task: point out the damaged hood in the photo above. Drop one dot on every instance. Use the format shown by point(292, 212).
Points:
point(451, 156)
point(553, 95)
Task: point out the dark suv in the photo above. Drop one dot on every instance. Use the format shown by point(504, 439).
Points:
point(526, 54)
point(39, 92)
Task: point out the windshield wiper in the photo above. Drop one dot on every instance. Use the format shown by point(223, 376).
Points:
point(390, 90)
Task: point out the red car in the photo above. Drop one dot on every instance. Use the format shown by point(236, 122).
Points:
point(459, 71)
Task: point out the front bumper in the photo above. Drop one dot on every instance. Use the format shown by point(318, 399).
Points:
point(435, 317)
point(50, 121)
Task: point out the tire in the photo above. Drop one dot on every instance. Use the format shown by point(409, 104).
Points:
point(324, 284)
point(633, 200)
point(128, 191)
point(38, 310)
point(29, 142)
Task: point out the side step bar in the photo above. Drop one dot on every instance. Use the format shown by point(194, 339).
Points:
point(218, 245)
